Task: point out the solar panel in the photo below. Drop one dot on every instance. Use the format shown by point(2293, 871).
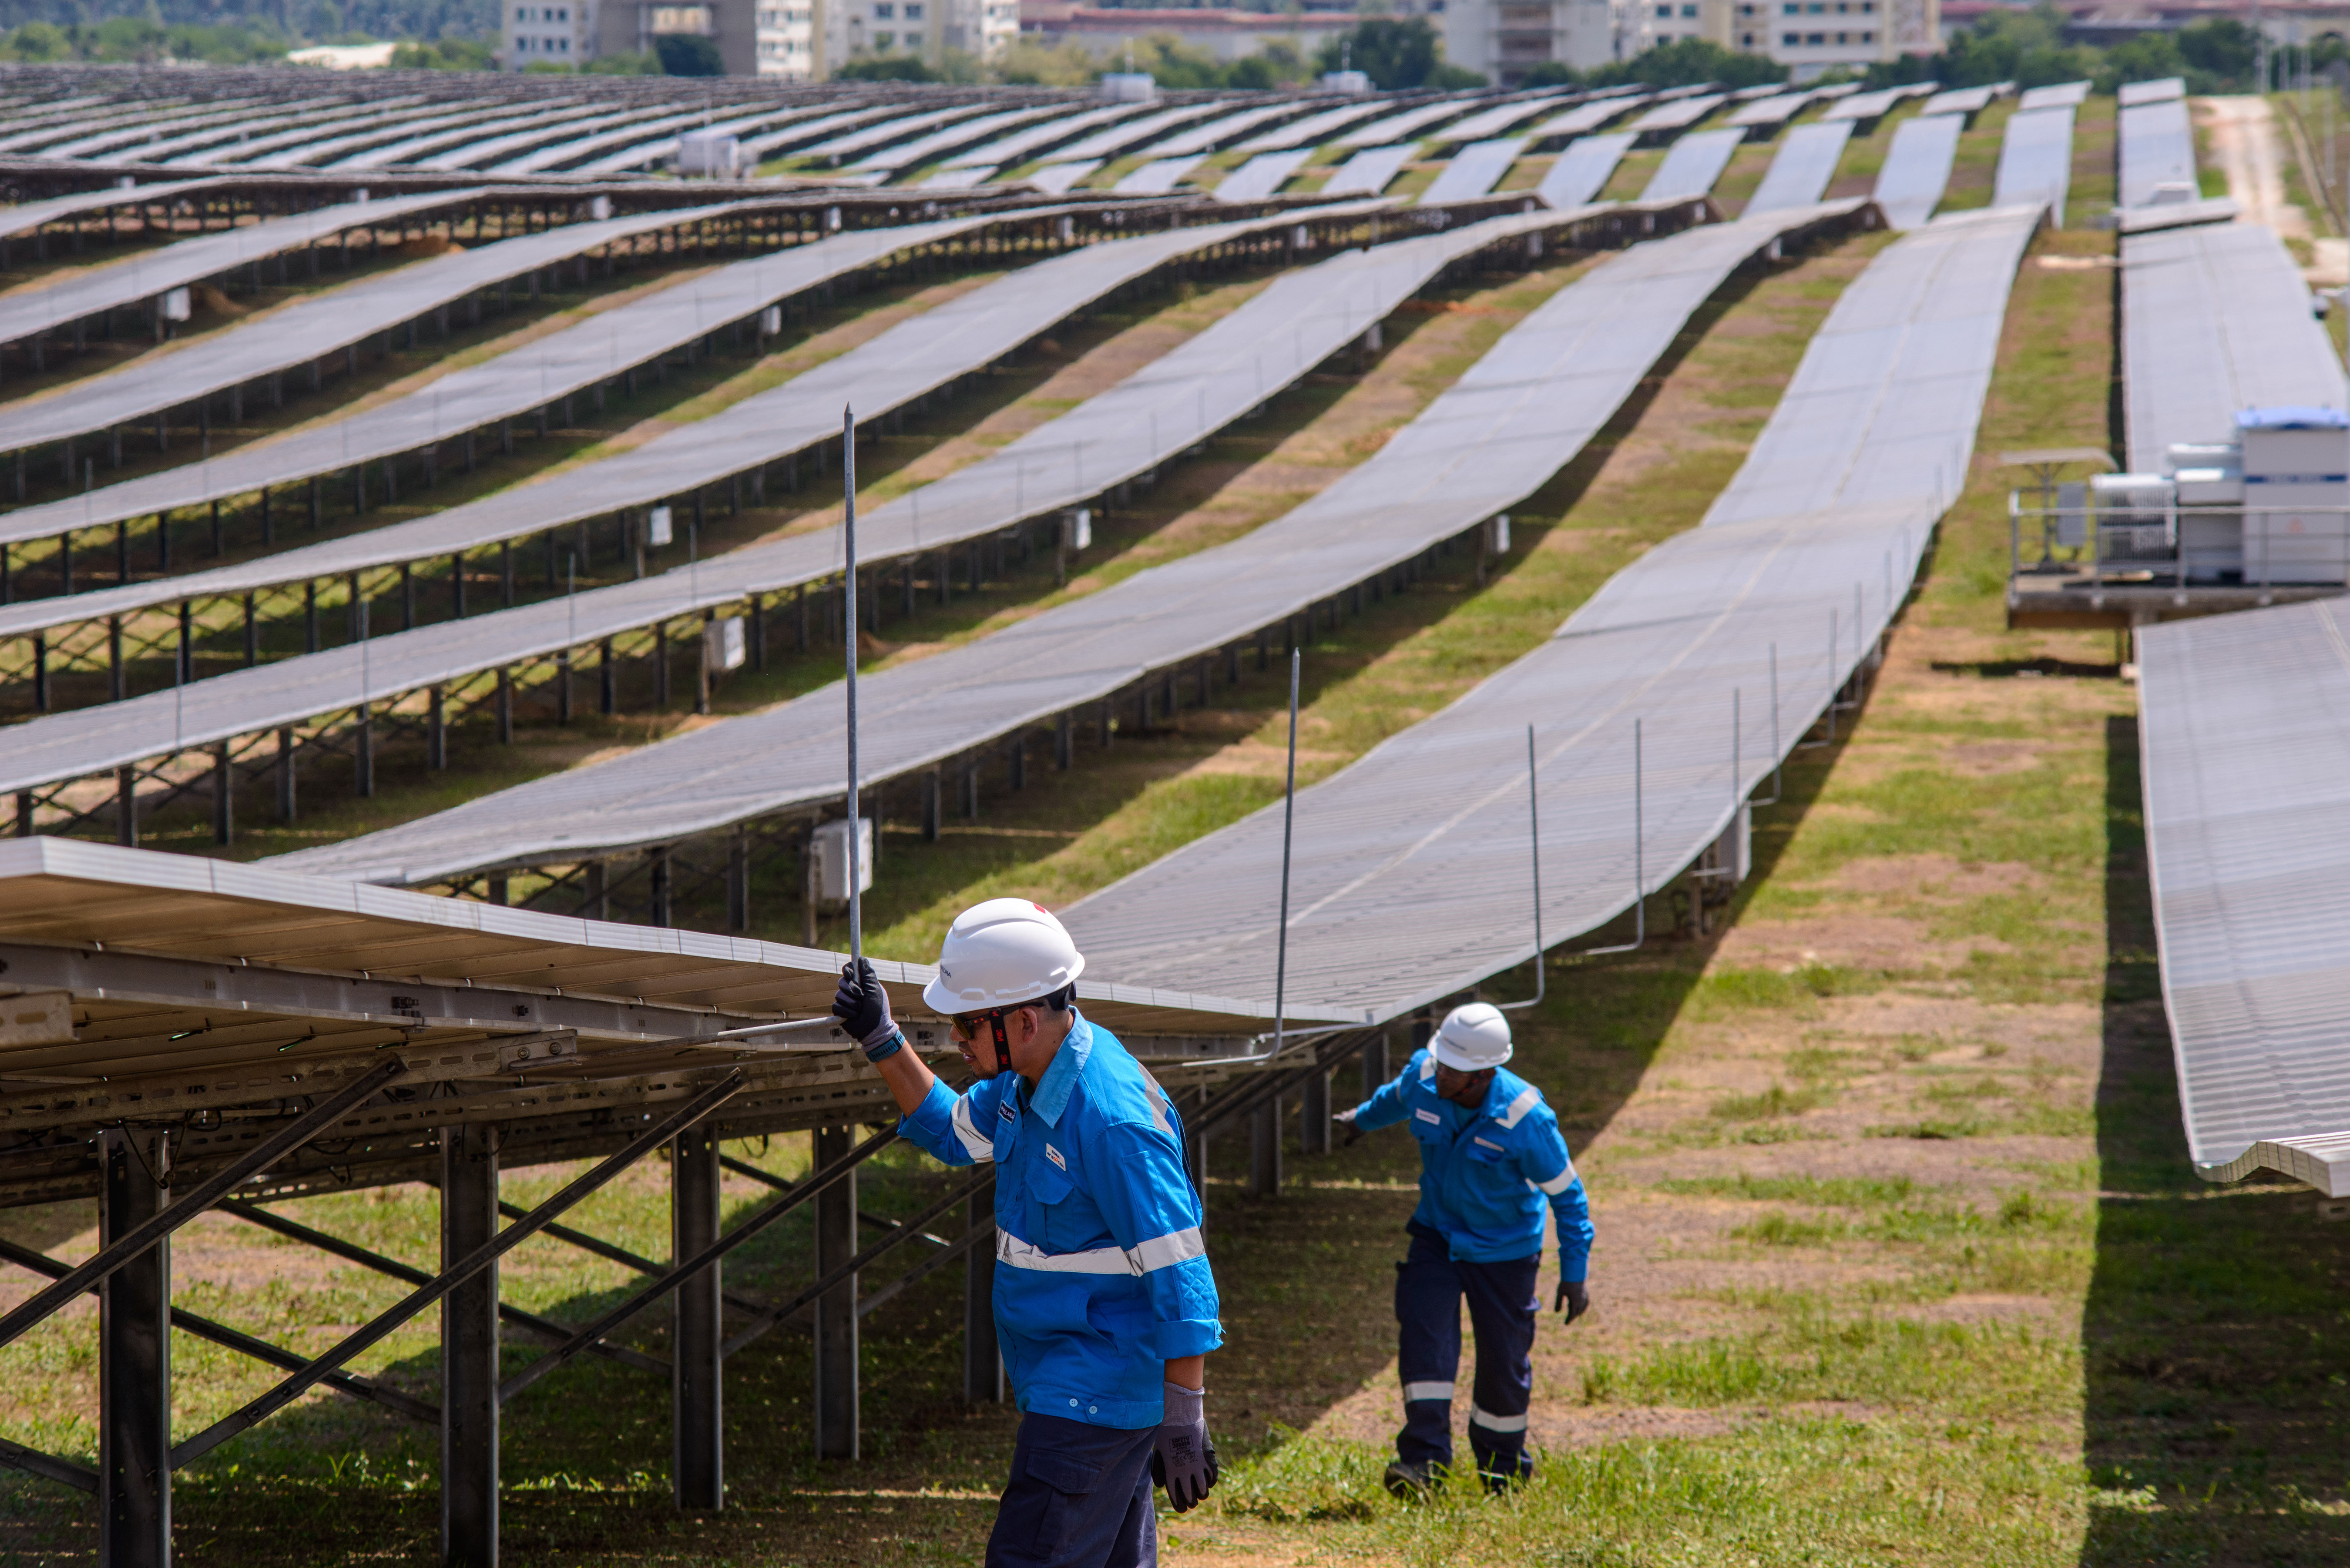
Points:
point(2157, 149)
point(1583, 170)
point(2035, 161)
point(1806, 163)
point(1692, 165)
point(1918, 168)
point(1473, 171)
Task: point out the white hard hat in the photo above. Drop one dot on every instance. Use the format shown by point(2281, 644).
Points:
point(1474, 1038)
point(1002, 953)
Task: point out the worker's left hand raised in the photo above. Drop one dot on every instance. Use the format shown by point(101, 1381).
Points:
point(1572, 1299)
point(1182, 1460)
point(863, 1007)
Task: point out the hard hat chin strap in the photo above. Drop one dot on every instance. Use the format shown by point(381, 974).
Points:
point(1003, 1044)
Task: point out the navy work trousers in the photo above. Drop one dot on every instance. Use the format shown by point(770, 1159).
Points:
point(1429, 1284)
point(1079, 1498)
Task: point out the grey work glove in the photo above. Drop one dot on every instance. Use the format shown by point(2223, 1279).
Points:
point(863, 1009)
point(1572, 1299)
point(1182, 1460)
point(1346, 1119)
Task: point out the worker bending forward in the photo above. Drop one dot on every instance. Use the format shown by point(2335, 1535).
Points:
point(1490, 1159)
point(1104, 1304)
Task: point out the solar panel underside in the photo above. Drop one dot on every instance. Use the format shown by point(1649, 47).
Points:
point(1412, 878)
point(1496, 435)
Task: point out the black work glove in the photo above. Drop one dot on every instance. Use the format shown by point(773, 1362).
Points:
point(1182, 1460)
point(1346, 1119)
point(863, 1009)
point(1572, 1299)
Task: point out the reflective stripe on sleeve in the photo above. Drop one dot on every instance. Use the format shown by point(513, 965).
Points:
point(1166, 1251)
point(1480, 1416)
point(1415, 1392)
point(1525, 1101)
point(1556, 1184)
point(975, 1143)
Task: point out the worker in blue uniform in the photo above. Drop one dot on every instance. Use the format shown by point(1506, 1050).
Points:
point(1491, 1160)
point(1104, 1304)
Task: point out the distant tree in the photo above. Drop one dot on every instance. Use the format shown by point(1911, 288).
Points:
point(446, 55)
point(688, 55)
point(1395, 53)
point(1686, 62)
point(878, 69)
point(1548, 73)
point(1277, 65)
point(626, 63)
point(1032, 65)
point(2221, 52)
point(2149, 57)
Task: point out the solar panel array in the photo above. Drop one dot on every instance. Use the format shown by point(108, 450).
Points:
point(1583, 170)
point(1412, 878)
point(915, 357)
point(2035, 161)
point(1472, 172)
point(1692, 165)
point(1177, 401)
point(1493, 437)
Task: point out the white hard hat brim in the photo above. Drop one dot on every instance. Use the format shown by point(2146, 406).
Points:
point(941, 997)
point(1446, 1055)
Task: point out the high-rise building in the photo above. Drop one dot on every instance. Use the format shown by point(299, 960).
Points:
point(574, 32)
point(925, 27)
point(1504, 39)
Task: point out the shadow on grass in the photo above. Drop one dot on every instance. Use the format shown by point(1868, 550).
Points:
point(2214, 1364)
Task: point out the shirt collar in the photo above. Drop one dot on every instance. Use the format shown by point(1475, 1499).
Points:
point(1060, 1079)
point(1499, 1094)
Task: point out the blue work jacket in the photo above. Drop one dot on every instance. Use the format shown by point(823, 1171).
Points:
point(1483, 1178)
point(1101, 1277)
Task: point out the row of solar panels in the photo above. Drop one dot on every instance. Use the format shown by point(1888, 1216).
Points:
point(2244, 719)
point(1496, 437)
point(594, 351)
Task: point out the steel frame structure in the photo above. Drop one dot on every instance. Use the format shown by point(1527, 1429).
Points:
point(237, 1085)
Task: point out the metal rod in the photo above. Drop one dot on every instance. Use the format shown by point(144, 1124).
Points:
point(65, 1473)
point(268, 1152)
point(848, 537)
point(1639, 876)
point(779, 1313)
point(1533, 837)
point(293, 1230)
point(666, 1283)
point(1778, 759)
point(465, 1268)
point(243, 1344)
point(1288, 822)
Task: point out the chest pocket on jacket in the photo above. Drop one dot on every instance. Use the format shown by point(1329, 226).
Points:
point(1485, 1150)
point(1047, 1189)
point(1428, 1126)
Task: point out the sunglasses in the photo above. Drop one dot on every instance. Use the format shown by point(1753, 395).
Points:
point(965, 1026)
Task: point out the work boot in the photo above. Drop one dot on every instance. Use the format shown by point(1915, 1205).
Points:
point(1413, 1482)
point(1505, 1475)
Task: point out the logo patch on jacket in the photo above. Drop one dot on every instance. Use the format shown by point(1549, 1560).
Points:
point(1006, 1112)
point(1425, 1116)
point(1055, 1155)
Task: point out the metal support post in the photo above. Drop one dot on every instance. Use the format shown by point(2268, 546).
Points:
point(930, 808)
point(1314, 1114)
point(1264, 1149)
point(1064, 740)
point(134, 1359)
point(468, 1351)
point(1375, 1065)
point(697, 1400)
point(836, 1309)
point(285, 775)
point(223, 796)
point(738, 880)
point(126, 806)
point(982, 1362)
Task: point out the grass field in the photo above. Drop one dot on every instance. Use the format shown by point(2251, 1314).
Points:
point(1899, 1257)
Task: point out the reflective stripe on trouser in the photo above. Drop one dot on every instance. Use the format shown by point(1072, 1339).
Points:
point(1079, 1497)
point(1503, 1311)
